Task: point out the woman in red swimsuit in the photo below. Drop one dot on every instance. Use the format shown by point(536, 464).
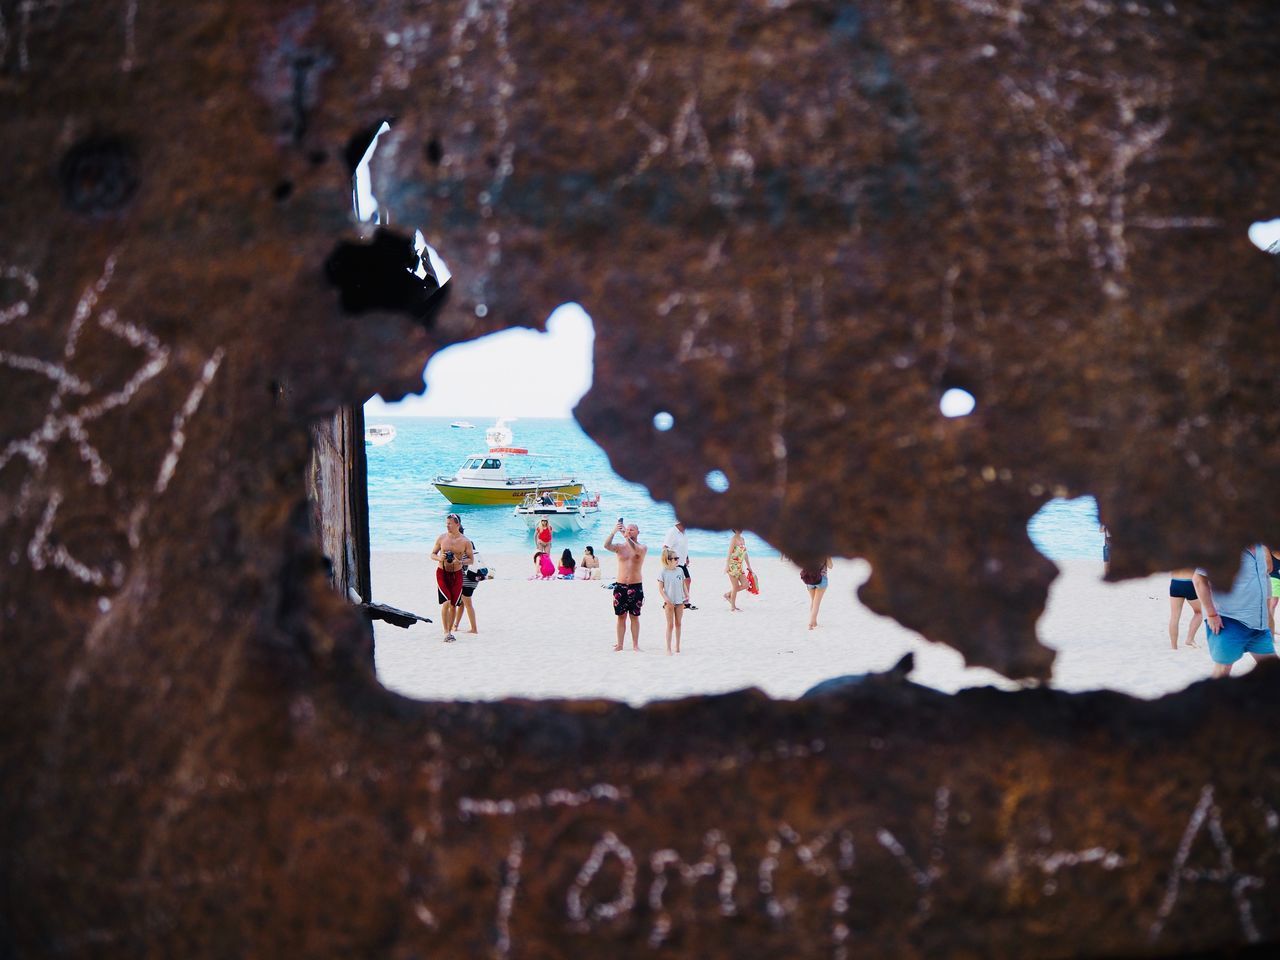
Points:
point(543, 536)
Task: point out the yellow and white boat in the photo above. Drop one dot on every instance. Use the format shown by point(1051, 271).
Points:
point(500, 477)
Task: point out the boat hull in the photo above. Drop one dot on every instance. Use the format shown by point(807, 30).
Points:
point(507, 495)
point(566, 521)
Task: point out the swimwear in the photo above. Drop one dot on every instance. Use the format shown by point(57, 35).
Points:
point(684, 568)
point(1183, 589)
point(544, 536)
point(815, 586)
point(449, 586)
point(1236, 640)
point(628, 598)
point(736, 556)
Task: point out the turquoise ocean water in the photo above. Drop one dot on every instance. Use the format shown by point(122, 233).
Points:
point(407, 513)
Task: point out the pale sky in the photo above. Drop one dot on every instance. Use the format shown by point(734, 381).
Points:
point(514, 373)
point(1265, 233)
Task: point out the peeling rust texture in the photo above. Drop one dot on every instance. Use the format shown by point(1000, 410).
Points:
point(795, 224)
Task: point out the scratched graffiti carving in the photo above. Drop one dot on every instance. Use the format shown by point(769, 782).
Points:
point(41, 19)
point(830, 854)
point(71, 412)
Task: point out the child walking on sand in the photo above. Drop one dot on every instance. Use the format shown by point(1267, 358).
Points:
point(671, 586)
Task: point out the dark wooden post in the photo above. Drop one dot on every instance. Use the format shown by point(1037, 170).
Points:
point(337, 486)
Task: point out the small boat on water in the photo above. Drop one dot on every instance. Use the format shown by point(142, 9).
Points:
point(462, 425)
point(379, 434)
point(500, 477)
point(573, 513)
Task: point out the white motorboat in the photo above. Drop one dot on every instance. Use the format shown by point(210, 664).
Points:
point(490, 479)
point(379, 434)
point(563, 512)
point(462, 425)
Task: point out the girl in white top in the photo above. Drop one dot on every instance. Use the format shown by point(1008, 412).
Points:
point(671, 587)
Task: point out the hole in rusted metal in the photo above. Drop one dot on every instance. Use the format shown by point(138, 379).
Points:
point(99, 176)
point(957, 402)
point(359, 148)
point(663, 421)
point(386, 273)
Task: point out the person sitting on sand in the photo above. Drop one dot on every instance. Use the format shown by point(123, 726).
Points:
point(568, 566)
point(1182, 590)
point(736, 566)
point(671, 586)
point(589, 569)
point(815, 579)
point(628, 592)
point(452, 551)
point(1237, 618)
point(543, 568)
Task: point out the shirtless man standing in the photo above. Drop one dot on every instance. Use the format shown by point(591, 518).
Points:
point(452, 551)
point(628, 592)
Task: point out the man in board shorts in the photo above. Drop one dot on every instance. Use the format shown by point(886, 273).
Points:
point(1236, 620)
point(628, 592)
point(452, 551)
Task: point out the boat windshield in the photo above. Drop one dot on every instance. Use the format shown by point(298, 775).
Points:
point(492, 464)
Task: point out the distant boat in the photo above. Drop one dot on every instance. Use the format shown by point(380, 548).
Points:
point(462, 425)
point(484, 478)
point(379, 434)
point(561, 511)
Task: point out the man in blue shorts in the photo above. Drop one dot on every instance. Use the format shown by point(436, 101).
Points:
point(1236, 620)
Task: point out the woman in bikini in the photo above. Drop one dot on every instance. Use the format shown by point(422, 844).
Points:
point(1275, 590)
point(1181, 590)
point(568, 566)
point(736, 566)
point(589, 569)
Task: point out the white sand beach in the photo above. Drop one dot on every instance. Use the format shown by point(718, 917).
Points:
point(555, 638)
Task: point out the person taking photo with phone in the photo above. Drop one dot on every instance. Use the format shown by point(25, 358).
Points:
point(453, 552)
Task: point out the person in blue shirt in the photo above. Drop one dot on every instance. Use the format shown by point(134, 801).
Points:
point(1237, 620)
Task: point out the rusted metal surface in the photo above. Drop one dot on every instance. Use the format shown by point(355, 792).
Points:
point(794, 224)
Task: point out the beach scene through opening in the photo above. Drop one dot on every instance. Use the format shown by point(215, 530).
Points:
point(492, 449)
